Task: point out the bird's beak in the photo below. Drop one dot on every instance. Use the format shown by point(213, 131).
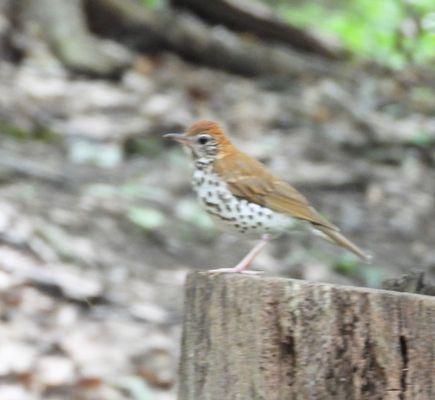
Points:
point(178, 137)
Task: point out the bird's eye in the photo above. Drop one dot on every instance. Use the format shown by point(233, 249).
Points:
point(203, 139)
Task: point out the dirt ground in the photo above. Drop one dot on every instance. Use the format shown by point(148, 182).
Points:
point(99, 225)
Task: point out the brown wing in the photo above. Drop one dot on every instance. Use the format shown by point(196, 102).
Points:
point(247, 178)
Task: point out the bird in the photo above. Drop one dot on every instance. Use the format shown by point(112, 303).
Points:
point(242, 196)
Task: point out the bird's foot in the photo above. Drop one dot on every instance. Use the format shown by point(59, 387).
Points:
point(234, 270)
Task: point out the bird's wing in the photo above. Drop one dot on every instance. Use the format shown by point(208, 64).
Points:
point(247, 178)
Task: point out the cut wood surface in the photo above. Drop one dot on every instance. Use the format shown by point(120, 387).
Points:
point(250, 338)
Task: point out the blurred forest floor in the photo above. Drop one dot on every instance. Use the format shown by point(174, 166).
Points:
point(99, 226)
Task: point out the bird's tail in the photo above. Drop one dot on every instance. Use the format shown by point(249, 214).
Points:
point(337, 238)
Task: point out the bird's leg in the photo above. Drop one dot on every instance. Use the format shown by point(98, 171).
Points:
point(242, 266)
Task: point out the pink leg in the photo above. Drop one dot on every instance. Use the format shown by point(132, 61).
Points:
point(243, 265)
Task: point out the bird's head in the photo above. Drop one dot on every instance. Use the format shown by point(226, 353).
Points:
point(204, 139)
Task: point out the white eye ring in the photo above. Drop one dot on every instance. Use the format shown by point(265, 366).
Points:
point(203, 139)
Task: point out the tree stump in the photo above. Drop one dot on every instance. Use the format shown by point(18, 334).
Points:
point(252, 338)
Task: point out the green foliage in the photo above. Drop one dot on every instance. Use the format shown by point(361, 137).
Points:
point(349, 265)
point(150, 147)
point(422, 139)
point(392, 32)
point(154, 3)
point(18, 133)
point(147, 219)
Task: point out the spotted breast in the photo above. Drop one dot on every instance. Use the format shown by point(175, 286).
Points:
point(241, 194)
point(230, 211)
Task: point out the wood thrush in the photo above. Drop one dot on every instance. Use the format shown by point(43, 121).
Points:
point(241, 195)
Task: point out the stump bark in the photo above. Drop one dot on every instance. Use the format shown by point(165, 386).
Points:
point(252, 338)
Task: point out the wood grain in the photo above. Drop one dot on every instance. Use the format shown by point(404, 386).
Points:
point(250, 338)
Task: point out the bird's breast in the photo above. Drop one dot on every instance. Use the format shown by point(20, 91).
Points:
point(235, 213)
